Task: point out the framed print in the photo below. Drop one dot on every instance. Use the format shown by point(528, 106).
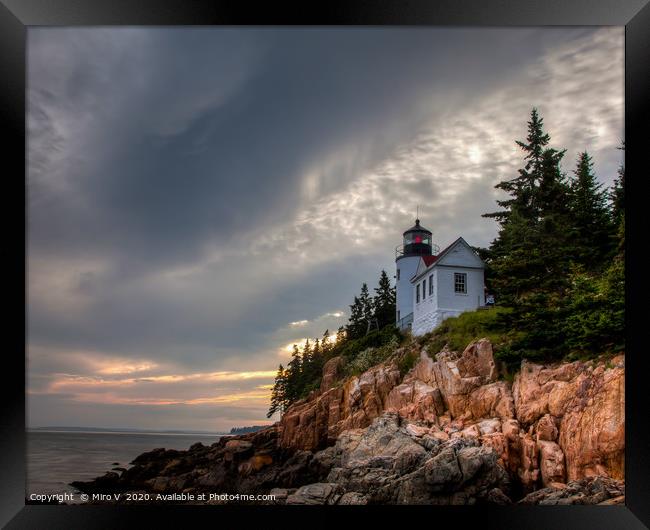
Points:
point(362, 255)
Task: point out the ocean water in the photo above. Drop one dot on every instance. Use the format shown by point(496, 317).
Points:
point(56, 458)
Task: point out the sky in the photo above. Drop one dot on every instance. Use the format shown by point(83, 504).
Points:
point(199, 199)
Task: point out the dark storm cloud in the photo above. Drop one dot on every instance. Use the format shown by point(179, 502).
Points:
point(193, 192)
point(193, 135)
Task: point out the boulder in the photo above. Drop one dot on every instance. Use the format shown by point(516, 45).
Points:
point(318, 493)
point(331, 372)
point(353, 497)
point(589, 490)
point(313, 424)
point(442, 471)
point(579, 405)
point(546, 428)
point(592, 429)
point(551, 462)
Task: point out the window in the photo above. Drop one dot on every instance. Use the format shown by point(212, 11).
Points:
point(398, 318)
point(417, 293)
point(424, 289)
point(431, 285)
point(460, 282)
point(398, 274)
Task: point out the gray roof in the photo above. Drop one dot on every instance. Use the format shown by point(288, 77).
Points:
point(417, 228)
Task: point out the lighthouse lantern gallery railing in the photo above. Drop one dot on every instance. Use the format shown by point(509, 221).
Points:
point(399, 250)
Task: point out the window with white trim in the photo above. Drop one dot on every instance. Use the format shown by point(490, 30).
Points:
point(424, 289)
point(431, 285)
point(417, 293)
point(460, 282)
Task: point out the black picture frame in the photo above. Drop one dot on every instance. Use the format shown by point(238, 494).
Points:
point(17, 15)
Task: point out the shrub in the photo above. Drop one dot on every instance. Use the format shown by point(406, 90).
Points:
point(458, 332)
point(371, 357)
point(407, 361)
point(352, 348)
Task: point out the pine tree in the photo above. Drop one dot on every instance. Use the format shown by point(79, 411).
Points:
point(591, 227)
point(306, 354)
point(522, 189)
point(307, 366)
point(384, 301)
point(356, 326)
point(340, 335)
point(367, 308)
point(293, 376)
point(527, 254)
point(595, 320)
point(530, 256)
point(617, 195)
point(278, 397)
point(316, 368)
point(326, 344)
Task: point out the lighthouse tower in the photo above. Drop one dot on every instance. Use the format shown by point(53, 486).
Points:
point(416, 243)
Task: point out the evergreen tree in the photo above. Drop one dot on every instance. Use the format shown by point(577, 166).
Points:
point(293, 376)
point(367, 308)
point(278, 397)
point(554, 217)
point(384, 301)
point(617, 195)
point(326, 344)
point(529, 253)
point(530, 256)
point(590, 219)
point(316, 367)
point(306, 355)
point(340, 335)
point(307, 366)
point(522, 189)
point(595, 320)
point(356, 325)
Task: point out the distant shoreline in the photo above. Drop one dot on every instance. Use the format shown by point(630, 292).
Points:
point(128, 432)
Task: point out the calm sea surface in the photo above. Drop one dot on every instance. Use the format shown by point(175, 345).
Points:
point(54, 459)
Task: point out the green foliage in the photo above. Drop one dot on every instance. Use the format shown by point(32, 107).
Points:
point(352, 348)
point(278, 400)
point(617, 194)
point(356, 326)
point(549, 227)
point(590, 219)
point(407, 360)
point(367, 306)
point(384, 301)
point(531, 250)
point(457, 332)
point(371, 356)
point(379, 309)
point(596, 311)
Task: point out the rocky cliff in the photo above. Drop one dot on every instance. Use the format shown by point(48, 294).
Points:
point(447, 432)
point(554, 423)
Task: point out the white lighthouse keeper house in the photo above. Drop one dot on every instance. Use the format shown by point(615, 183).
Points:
point(416, 245)
point(447, 285)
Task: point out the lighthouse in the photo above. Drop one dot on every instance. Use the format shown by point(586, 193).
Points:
point(416, 244)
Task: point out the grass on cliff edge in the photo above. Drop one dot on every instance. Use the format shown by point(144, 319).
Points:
point(458, 332)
